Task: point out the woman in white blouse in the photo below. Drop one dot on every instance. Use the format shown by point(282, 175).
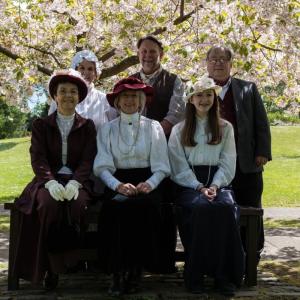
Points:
point(95, 105)
point(132, 160)
point(202, 157)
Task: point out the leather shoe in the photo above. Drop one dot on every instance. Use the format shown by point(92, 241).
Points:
point(226, 288)
point(50, 281)
point(117, 285)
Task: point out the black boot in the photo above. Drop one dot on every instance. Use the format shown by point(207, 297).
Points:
point(132, 280)
point(50, 281)
point(117, 285)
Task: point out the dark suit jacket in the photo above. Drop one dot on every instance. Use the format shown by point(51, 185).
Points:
point(254, 136)
point(46, 155)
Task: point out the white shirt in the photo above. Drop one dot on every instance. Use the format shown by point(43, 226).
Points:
point(94, 106)
point(64, 124)
point(222, 155)
point(131, 141)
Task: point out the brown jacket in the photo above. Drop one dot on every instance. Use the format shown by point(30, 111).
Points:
point(46, 155)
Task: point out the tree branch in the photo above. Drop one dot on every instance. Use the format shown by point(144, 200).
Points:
point(46, 52)
point(106, 56)
point(13, 56)
point(120, 67)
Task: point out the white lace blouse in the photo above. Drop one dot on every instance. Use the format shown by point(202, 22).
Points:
point(131, 141)
point(64, 124)
point(94, 106)
point(222, 155)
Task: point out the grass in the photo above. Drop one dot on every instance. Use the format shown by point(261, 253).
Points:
point(15, 168)
point(275, 223)
point(281, 176)
point(285, 271)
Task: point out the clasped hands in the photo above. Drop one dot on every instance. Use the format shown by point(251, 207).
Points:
point(60, 192)
point(210, 193)
point(129, 189)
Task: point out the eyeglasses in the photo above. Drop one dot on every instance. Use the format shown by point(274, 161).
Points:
point(220, 60)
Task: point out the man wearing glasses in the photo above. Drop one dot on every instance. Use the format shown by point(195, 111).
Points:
point(241, 104)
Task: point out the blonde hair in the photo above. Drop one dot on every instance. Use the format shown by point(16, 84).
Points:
point(142, 99)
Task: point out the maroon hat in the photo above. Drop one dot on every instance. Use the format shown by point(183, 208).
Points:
point(130, 83)
point(68, 75)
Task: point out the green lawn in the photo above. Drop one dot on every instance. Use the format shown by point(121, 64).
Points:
point(281, 176)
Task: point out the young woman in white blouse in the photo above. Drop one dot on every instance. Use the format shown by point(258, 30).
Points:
point(202, 157)
point(132, 160)
point(95, 105)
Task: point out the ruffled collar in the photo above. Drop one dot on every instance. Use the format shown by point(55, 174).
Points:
point(65, 118)
point(130, 118)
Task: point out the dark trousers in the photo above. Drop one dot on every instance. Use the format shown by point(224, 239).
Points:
point(248, 188)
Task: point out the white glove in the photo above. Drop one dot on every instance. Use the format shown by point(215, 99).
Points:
point(72, 190)
point(55, 189)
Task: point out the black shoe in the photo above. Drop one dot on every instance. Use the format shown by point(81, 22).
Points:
point(225, 288)
point(195, 286)
point(132, 280)
point(117, 285)
point(50, 281)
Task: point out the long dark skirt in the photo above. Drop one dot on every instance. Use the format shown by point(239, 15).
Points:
point(33, 258)
point(210, 235)
point(129, 227)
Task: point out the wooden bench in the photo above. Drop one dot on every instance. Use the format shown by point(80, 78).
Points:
point(249, 219)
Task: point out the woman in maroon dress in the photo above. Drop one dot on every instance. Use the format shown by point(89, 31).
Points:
point(63, 147)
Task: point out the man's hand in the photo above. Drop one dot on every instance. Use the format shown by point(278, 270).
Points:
point(260, 160)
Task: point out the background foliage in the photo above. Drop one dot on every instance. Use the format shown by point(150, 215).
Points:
point(37, 36)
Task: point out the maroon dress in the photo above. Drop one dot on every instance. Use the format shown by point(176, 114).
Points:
point(38, 209)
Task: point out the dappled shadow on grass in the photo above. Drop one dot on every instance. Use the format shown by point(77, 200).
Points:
point(7, 146)
point(286, 271)
point(274, 223)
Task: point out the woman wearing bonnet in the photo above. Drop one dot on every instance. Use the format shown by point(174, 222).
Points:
point(132, 161)
point(63, 148)
point(95, 105)
point(202, 157)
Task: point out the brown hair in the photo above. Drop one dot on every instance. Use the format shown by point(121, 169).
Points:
point(227, 51)
point(189, 127)
point(152, 39)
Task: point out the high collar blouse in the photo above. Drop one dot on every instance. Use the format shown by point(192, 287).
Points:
point(131, 141)
point(182, 158)
point(94, 106)
point(64, 124)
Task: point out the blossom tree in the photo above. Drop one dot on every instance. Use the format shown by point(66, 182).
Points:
point(38, 36)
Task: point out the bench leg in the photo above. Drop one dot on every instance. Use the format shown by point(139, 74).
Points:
point(15, 222)
point(251, 250)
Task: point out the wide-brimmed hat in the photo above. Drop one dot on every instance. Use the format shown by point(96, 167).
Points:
point(68, 75)
point(204, 83)
point(130, 83)
point(87, 55)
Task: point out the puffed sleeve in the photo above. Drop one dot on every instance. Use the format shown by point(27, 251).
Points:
point(181, 173)
point(227, 161)
point(38, 152)
point(159, 160)
point(104, 165)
